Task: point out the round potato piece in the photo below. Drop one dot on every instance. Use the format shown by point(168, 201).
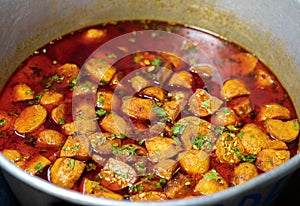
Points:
point(14, 156)
point(274, 111)
point(194, 162)
point(30, 119)
point(65, 172)
point(284, 131)
point(117, 175)
point(58, 114)
point(69, 72)
point(51, 97)
point(269, 159)
point(211, 183)
point(225, 116)
point(244, 172)
point(253, 138)
point(227, 146)
point(203, 104)
point(263, 79)
point(51, 137)
point(234, 88)
point(22, 92)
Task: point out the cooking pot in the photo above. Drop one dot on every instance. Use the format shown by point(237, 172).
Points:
point(268, 28)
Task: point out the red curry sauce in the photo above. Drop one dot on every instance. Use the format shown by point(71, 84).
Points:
point(40, 72)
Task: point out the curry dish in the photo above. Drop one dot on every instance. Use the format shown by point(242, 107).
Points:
point(193, 117)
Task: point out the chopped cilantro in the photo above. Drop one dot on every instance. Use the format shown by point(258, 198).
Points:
point(72, 164)
point(178, 129)
point(38, 167)
point(205, 103)
point(245, 157)
point(212, 175)
point(3, 122)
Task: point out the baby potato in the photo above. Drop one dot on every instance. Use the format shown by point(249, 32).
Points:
point(68, 72)
point(268, 159)
point(224, 116)
point(210, 183)
point(58, 114)
point(253, 138)
point(284, 131)
point(181, 79)
point(14, 156)
point(30, 119)
point(50, 137)
point(274, 111)
point(202, 104)
point(22, 92)
point(194, 162)
point(65, 172)
point(227, 146)
point(51, 97)
point(37, 165)
point(244, 172)
point(234, 88)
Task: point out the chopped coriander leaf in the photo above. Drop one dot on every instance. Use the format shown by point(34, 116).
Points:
point(226, 111)
point(159, 111)
point(111, 56)
point(56, 78)
point(86, 87)
point(212, 175)
point(136, 187)
point(73, 82)
point(178, 129)
point(126, 149)
point(29, 92)
point(39, 167)
point(76, 147)
point(206, 103)
point(121, 136)
point(61, 121)
point(296, 125)
point(232, 128)
point(245, 157)
point(30, 140)
point(100, 100)
point(101, 112)
point(156, 62)
point(240, 134)
point(3, 122)
point(98, 177)
point(203, 142)
point(119, 173)
point(142, 141)
point(72, 164)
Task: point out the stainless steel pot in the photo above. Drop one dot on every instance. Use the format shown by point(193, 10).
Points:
point(268, 28)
